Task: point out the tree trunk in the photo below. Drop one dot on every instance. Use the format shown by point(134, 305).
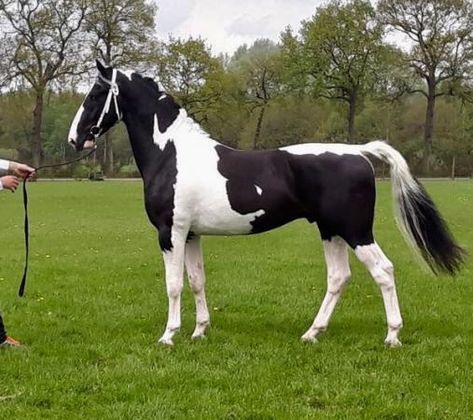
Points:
point(36, 141)
point(351, 118)
point(429, 126)
point(453, 167)
point(108, 155)
point(258, 126)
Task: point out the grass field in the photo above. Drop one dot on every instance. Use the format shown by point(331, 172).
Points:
point(96, 304)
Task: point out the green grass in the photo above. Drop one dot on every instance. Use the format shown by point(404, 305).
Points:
point(96, 304)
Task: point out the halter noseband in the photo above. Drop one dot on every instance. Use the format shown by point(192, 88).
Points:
point(113, 91)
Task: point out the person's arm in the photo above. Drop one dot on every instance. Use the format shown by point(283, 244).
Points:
point(20, 169)
point(4, 166)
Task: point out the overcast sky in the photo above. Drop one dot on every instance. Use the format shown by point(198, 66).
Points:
point(227, 24)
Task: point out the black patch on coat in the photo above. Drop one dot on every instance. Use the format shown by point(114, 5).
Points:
point(168, 112)
point(335, 191)
point(159, 193)
point(158, 167)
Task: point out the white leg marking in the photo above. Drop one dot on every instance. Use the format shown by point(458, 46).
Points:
point(195, 271)
point(338, 274)
point(382, 270)
point(174, 267)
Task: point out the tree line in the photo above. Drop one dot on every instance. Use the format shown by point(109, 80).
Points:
point(400, 71)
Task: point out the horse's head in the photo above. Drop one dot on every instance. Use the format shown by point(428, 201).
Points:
point(99, 112)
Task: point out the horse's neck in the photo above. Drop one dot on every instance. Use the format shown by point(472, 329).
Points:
point(151, 146)
point(184, 130)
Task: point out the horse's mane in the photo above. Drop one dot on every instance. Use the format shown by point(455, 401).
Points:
point(189, 122)
point(151, 83)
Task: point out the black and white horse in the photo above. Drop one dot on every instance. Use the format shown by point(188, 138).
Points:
point(196, 186)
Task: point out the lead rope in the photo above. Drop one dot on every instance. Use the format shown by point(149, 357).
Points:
point(96, 131)
point(21, 291)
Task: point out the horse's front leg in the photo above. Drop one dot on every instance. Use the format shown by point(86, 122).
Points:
point(173, 256)
point(195, 270)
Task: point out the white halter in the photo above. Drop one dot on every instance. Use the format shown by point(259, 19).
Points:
point(112, 92)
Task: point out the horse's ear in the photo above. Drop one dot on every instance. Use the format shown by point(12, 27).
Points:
point(101, 68)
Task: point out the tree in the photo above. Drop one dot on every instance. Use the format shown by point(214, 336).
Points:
point(42, 36)
point(121, 33)
point(442, 47)
point(187, 70)
point(259, 68)
point(338, 54)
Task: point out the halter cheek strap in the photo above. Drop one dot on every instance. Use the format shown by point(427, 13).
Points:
point(112, 93)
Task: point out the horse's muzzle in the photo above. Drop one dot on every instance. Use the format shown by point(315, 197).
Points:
point(89, 144)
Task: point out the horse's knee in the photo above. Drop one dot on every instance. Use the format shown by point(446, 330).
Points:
point(174, 288)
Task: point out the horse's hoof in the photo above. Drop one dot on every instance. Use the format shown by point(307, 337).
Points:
point(393, 343)
point(309, 339)
point(165, 341)
point(198, 337)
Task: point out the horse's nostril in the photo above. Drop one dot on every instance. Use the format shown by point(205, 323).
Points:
point(72, 141)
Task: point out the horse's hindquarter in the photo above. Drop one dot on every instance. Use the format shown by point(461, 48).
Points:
point(336, 184)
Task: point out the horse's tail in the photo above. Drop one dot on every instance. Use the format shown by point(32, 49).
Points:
point(417, 215)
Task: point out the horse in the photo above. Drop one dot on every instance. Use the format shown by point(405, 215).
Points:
point(194, 186)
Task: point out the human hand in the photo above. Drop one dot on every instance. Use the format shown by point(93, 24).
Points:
point(21, 170)
point(10, 182)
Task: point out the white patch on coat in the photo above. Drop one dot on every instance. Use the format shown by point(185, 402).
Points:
point(163, 96)
point(75, 122)
point(160, 138)
point(127, 73)
point(338, 274)
point(335, 148)
point(382, 271)
point(258, 190)
point(320, 148)
point(201, 202)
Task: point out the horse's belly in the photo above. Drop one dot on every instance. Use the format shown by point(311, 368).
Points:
point(218, 218)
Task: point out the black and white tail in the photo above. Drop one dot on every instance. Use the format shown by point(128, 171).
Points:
point(417, 215)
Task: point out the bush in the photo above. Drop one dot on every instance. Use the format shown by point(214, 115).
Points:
point(81, 171)
point(128, 171)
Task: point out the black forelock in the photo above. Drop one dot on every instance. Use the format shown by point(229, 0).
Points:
point(152, 84)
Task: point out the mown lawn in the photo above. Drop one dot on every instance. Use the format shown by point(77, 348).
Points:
point(96, 305)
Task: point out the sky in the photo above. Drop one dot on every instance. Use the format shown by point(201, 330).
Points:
point(227, 24)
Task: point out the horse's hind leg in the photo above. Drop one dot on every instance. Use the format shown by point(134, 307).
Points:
point(338, 274)
point(195, 271)
point(382, 270)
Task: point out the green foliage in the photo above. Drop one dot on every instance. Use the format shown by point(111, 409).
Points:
point(267, 94)
point(122, 31)
point(441, 52)
point(338, 53)
point(187, 70)
point(81, 171)
point(128, 171)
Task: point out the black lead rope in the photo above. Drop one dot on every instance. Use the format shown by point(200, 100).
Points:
point(21, 291)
